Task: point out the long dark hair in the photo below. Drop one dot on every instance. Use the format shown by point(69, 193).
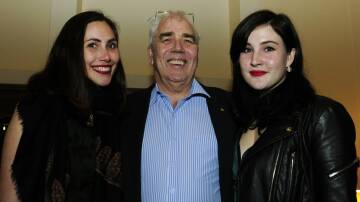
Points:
point(64, 73)
point(260, 107)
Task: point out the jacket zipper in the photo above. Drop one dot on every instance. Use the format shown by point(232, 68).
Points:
point(338, 172)
point(274, 171)
point(237, 178)
point(291, 174)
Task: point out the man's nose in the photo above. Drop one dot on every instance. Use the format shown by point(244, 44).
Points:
point(178, 46)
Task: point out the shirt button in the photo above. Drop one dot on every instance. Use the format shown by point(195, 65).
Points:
point(172, 191)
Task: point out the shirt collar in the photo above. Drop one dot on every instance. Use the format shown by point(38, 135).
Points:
point(195, 90)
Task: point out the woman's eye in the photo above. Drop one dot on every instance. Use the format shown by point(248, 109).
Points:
point(113, 45)
point(268, 49)
point(92, 45)
point(246, 50)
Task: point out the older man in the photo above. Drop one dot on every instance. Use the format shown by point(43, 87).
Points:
point(178, 140)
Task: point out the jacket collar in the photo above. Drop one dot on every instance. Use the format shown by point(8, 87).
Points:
point(270, 136)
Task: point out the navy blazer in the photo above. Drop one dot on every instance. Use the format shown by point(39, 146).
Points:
point(221, 113)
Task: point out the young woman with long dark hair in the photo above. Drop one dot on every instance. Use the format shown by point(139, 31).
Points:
point(62, 141)
point(294, 145)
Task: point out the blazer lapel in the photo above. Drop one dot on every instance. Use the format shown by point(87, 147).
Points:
point(225, 128)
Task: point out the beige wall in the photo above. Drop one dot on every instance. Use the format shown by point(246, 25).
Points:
point(24, 36)
point(329, 30)
point(28, 29)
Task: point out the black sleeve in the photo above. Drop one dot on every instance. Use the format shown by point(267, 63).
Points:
point(334, 155)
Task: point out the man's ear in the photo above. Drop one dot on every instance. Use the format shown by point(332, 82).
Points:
point(150, 56)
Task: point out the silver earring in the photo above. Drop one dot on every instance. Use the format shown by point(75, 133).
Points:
point(288, 69)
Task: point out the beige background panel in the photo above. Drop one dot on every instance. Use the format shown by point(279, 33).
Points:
point(28, 29)
point(61, 11)
point(355, 25)
point(24, 34)
point(234, 15)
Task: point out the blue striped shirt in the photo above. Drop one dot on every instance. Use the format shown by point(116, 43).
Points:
point(179, 157)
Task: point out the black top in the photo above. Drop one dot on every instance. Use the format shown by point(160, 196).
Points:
point(66, 154)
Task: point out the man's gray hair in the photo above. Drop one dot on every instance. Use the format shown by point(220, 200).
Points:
point(160, 15)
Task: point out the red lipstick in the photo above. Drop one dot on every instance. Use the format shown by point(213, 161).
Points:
point(257, 73)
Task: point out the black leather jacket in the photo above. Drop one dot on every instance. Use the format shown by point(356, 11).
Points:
point(311, 158)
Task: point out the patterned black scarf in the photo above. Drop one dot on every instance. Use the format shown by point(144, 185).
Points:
point(42, 166)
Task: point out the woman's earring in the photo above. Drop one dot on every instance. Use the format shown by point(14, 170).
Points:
point(288, 69)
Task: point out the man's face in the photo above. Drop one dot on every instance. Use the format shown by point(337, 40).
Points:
point(174, 53)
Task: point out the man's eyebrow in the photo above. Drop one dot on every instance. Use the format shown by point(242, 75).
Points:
point(189, 36)
point(165, 34)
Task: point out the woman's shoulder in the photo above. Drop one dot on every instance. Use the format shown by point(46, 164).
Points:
point(320, 99)
point(32, 106)
point(322, 104)
point(328, 113)
point(30, 99)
